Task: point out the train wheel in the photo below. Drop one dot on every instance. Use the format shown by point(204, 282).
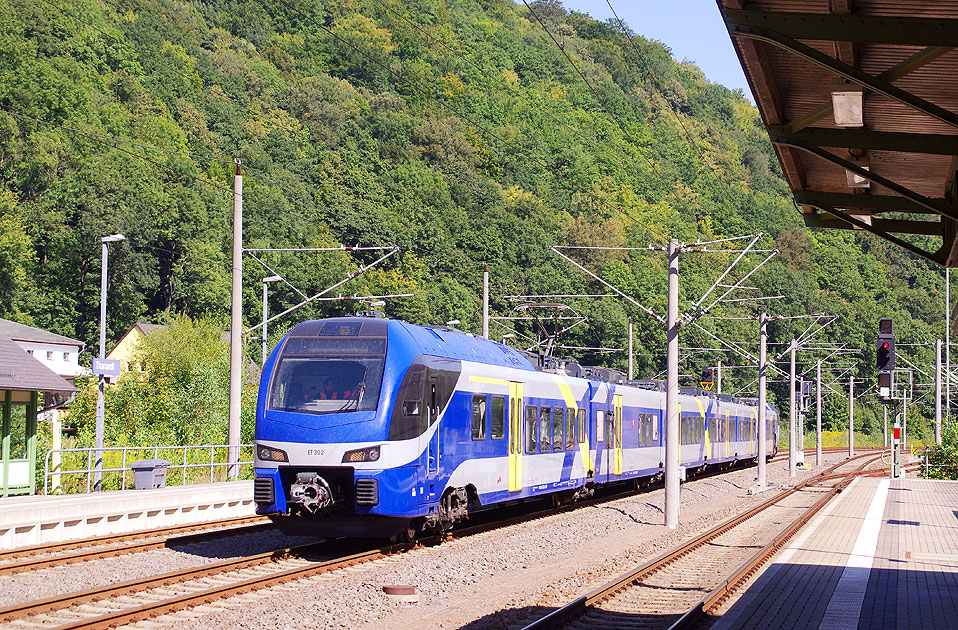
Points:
point(408, 533)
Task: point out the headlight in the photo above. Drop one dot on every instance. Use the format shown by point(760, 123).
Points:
point(268, 454)
point(368, 454)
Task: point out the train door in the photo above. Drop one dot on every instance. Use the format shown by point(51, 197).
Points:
point(515, 436)
point(617, 435)
point(432, 434)
point(726, 432)
point(600, 433)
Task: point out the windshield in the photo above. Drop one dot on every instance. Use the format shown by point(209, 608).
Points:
point(322, 375)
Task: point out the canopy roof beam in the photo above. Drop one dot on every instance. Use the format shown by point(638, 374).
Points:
point(844, 70)
point(859, 29)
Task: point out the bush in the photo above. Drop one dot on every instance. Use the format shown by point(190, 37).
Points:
point(943, 459)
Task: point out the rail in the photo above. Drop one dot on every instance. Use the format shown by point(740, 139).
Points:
point(55, 476)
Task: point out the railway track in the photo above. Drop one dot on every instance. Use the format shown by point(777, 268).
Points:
point(667, 592)
point(81, 550)
point(136, 600)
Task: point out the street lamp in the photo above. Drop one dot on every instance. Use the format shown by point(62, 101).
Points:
point(98, 466)
point(266, 282)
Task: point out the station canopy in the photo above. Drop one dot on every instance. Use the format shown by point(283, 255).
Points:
point(860, 99)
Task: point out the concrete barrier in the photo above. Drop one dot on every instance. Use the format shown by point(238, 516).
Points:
point(36, 520)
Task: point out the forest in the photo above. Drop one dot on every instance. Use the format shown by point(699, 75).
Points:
point(470, 134)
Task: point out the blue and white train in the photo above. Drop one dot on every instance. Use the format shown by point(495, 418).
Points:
point(375, 427)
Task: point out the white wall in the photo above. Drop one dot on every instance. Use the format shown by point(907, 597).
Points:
point(61, 358)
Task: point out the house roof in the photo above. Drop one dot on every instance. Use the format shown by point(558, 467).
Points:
point(147, 328)
point(22, 332)
point(20, 371)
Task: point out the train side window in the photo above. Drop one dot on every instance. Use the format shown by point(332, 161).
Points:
point(700, 426)
point(599, 425)
point(581, 423)
point(648, 429)
point(478, 417)
point(558, 425)
point(569, 429)
point(497, 419)
point(545, 430)
point(532, 421)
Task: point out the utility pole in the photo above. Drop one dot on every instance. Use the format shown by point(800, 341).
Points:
point(100, 403)
point(762, 431)
point(947, 342)
point(672, 392)
point(792, 420)
point(851, 416)
point(266, 282)
point(485, 302)
point(885, 425)
point(904, 421)
point(938, 391)
point(630, 348)
point(718, 377)
point(236, 327)
point(818, 414)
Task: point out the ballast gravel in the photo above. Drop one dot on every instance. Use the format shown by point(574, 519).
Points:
point(497, 580)
point(82, 576)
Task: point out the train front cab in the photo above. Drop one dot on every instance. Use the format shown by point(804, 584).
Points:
point(324, 459)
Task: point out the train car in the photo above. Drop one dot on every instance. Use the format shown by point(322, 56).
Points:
point(368, 427)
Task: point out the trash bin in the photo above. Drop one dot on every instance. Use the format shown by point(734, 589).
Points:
point(149, 473)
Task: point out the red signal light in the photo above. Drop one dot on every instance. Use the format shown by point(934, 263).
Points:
point(884, 346)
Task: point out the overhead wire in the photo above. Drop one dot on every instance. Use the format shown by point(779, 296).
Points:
point(482, 71)
point(398, 77)
point(655, 84)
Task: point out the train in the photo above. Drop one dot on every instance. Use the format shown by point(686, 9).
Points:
point(375, 427)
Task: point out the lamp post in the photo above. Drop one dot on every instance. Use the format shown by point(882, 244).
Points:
point(266, 282)
point(98, 456)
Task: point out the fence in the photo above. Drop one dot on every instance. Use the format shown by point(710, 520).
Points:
point(928, 466)
point(75, 462)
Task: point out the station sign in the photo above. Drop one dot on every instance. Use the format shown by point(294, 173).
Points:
point(106, 367)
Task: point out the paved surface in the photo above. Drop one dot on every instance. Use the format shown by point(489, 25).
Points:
point(881, 555)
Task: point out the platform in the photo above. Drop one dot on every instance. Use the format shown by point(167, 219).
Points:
point(35, 520)
point(883, 554)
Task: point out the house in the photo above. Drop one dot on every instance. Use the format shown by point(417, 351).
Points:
point(126, 348)
point(58, 353)
point(23, 378)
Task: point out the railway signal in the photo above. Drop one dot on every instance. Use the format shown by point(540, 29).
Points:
point(885, 348)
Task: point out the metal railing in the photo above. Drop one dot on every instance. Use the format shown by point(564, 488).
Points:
point(927, 466)
point(59, 472)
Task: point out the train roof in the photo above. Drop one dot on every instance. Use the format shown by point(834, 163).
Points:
point(451, 343)
point(438, 341)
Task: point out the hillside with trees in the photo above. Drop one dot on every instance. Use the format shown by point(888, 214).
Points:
point(456, 130)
